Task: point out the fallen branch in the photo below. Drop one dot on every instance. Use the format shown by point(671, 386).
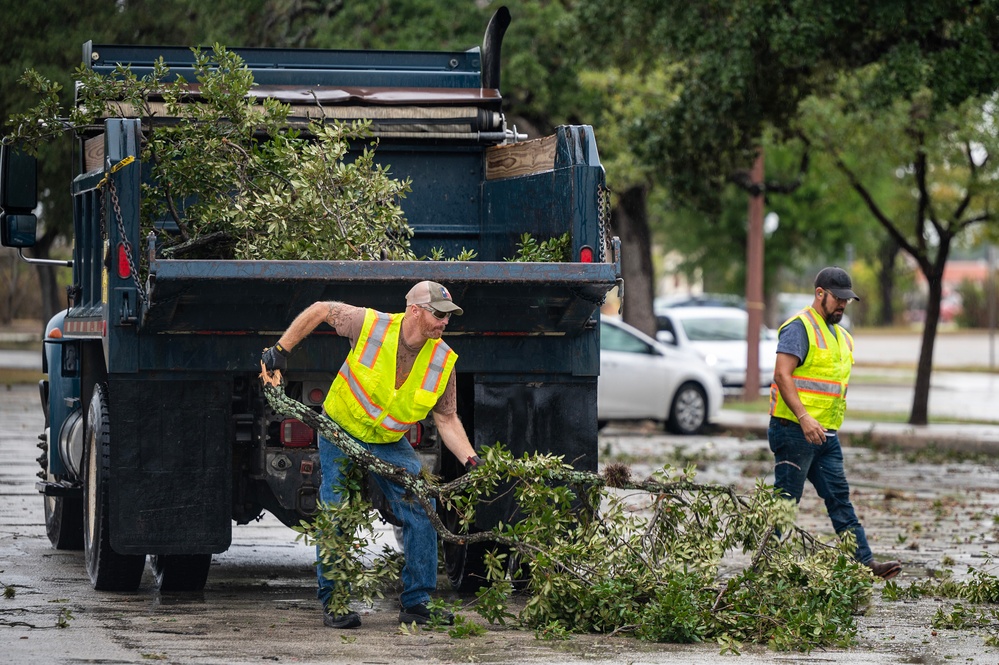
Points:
point(596, 566)
point(424, 490)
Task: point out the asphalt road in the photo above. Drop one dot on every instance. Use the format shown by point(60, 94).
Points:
point(259, 603)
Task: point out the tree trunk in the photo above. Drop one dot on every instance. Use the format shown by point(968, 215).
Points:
point(934, 281)
point(48, 283)
point(887, 253)
point(52, 296)
point(629, 220)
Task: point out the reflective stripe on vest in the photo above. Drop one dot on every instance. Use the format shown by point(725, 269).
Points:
point(820, 335)
point(818, 386)
point(373, 410)
point(820, 331)
point(376, 338)
point(435, 370)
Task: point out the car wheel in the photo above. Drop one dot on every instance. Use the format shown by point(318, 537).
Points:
point(689, 410)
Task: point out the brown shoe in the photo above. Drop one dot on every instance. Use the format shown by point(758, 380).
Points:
point(886, 569)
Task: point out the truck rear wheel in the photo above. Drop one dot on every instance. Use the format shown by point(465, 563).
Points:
point(109, 570)
point(64, 521)
point(181, 572)
point(465, 564)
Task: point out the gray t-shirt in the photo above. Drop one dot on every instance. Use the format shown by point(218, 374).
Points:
point(793, 339)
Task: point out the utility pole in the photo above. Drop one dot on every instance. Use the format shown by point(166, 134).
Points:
point(990, 302)
point(754, 280)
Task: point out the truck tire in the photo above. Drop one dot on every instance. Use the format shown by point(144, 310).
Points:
point(64, 521)
point(465, 565)
point(180, 572)
point(108, 570)
point(518, 571)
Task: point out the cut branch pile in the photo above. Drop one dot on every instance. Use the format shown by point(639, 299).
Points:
point(695, 562)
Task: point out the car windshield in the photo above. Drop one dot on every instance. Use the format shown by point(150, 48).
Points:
point(714, 330)
point(615, 339)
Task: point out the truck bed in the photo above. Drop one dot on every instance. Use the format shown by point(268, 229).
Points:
point(263, 296)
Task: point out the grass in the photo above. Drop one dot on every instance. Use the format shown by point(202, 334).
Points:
point(34, 345)
point(11, 377)
point(911, 368)
point(762, 405)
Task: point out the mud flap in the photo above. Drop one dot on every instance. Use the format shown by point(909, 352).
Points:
point(170, 465)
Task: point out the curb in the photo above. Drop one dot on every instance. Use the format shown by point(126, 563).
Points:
point(956, 437)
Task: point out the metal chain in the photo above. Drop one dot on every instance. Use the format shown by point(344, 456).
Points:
point(603, 216)
point(116, 206)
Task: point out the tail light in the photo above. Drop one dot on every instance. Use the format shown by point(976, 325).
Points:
point(586, 254)
point(415, 435)
point(124, 270)
point(296, 434)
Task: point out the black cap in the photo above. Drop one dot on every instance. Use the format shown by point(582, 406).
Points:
point(836, 281)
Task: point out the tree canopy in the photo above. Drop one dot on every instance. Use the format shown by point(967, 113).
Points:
point(745, 67)
point(748, 70)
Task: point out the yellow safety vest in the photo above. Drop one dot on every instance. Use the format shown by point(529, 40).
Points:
point(823, 378)
point(363, 399)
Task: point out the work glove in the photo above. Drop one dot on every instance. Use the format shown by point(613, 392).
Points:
point(472, 462)
point(275, 357)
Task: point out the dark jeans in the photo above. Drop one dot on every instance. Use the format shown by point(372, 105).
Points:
point(419, 540)
point(796, 460)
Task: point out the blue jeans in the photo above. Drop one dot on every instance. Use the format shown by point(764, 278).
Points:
point(419, 540)
point(796, 459)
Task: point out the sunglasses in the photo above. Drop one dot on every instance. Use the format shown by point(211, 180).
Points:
point(436, 313)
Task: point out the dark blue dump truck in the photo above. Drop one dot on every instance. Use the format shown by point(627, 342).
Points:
point(157, 436)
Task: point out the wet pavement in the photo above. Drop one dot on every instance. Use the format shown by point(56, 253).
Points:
point(259, 604)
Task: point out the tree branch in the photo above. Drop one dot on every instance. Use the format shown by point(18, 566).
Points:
point(424, 489)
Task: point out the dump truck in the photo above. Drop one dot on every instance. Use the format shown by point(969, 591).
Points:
point(158, 439)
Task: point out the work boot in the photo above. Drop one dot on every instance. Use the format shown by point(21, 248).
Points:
point(348, 620)
point(421, 615)
point(885, 570)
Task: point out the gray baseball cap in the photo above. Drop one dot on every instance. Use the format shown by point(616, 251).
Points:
point(434, 295)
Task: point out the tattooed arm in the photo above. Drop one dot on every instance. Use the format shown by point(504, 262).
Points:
point(336, 314)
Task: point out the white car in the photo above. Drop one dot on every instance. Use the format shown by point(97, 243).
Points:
point(718, 334)
point(642, 379)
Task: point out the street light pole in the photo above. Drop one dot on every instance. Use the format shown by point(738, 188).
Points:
point(754, 280)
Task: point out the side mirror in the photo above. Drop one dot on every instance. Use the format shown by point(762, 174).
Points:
point(18, 197)
point(17, 230)
point(18, 180)
point(666, 337)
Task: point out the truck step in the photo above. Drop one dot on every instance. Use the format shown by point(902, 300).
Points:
point(64, 488)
